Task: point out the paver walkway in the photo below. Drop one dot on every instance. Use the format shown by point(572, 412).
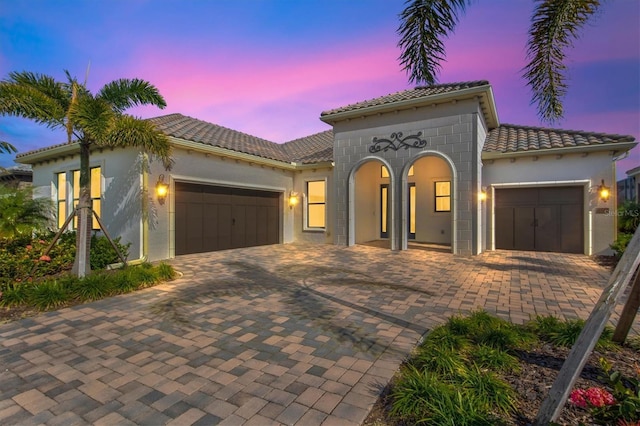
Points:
point(288, 334)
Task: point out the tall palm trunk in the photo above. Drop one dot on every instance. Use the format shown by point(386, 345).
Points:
point(81, 264)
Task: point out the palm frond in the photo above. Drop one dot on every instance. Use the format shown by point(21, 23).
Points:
point(93, 116)
point(126, 93)
point(127, 130)
point(554, 27)
point(7, 148)
point(423, 26)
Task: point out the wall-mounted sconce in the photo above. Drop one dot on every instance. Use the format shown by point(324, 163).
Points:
point(482, 196)
point(294, 199)
point(162, 189)
point(604, 191)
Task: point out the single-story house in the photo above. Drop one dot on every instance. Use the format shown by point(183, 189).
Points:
point(19, 176)
point(629, 187)
point(429, 165)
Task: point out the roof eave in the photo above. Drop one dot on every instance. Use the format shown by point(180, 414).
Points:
point(49, 153)
point(491, 114)
point(614, 148)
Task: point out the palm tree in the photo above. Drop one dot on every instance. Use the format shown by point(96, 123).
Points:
point(20, 213)
point(554, 27)
point(92, 120)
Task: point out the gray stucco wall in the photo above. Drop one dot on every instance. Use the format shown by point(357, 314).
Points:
point(448, 130)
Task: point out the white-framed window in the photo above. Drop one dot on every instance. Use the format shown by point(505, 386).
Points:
point(63, 193)
point(442, 196)
point(315, 205)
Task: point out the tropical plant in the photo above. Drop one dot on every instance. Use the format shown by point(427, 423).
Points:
point(89, 120)
point(554, 26)
point(7, 148)
point(20, 213)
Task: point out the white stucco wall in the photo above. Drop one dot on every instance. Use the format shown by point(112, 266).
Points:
point(199, 167)
point(578, 169)
point(121, 190)
point(299, 185)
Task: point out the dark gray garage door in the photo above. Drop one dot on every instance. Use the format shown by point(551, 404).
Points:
point(540, 219)
point(210, 218)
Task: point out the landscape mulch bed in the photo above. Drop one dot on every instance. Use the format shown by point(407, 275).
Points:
point(539, 368)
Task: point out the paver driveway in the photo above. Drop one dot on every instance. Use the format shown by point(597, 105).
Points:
point(288, 334)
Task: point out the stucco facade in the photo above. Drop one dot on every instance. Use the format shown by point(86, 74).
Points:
point(426, 165)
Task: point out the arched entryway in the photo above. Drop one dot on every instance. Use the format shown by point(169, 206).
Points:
point(372, 196)
point(429, 202)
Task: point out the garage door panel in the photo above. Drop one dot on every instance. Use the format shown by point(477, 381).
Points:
point(541, 219)
point(546, 232)
point(180, 227)
point(572, 223)
point(224, 226)
point(212, 218)
point(523, 234)
point(195, 227)
point(504, 230)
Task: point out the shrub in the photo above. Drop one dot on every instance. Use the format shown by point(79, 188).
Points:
point(488, 391)
point(14, 294)
point(621, 406)
point(93, 287)
point(21, 214)
point(48, 294)
point(103, 254)
point(495, 359)
point(22, 257)
point(621, 243)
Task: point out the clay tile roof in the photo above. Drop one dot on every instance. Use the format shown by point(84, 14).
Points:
point(183, 127)
point(418, 92)
point(316, 148)
point(509, 138)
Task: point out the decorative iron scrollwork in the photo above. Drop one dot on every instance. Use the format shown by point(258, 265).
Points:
point(396, 141)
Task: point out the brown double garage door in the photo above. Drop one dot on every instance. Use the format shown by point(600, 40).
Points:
point(210, 218)
point(540, 219)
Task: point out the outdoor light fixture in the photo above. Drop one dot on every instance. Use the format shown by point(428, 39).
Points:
point(604, 191)
point(483, 194)
point(162, 189)
point(294, 199)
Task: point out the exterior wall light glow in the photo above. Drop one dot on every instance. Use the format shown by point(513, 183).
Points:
point(604, 191)
point(294, 199)
point(482, 196)
point(162, 189)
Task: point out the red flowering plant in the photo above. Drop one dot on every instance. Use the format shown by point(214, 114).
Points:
point(620, 407)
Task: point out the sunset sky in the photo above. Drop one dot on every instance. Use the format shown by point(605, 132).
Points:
point(270, 67)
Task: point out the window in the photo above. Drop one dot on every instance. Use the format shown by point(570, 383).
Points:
point(96, 194)
point(384, 172)
point(443, 196)
point(61, 182)
point(316, 204)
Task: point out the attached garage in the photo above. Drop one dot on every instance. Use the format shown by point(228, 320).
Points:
point(540, 219)
point(210, 218)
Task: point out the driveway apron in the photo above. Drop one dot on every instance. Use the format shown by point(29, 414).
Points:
point(285, 334)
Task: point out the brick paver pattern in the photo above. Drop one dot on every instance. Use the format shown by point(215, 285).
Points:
point(285, 334)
